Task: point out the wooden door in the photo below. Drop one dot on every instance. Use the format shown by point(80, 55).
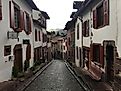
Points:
point(18, 58)
point(110, 62)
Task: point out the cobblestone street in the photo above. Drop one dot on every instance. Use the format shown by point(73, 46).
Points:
point(55, 78)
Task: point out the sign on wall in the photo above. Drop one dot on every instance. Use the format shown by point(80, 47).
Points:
point(12, 35)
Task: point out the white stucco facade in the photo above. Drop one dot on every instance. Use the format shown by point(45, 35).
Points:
point(5, 64)
point(78, 42)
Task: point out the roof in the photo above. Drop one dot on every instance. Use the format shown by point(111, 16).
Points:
point(32, 4)
point(70, 24)
point(45, 14)
point(85, 4)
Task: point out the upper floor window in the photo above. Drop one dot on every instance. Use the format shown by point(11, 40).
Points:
point(85, 28)
point(19, 20)
point(36, 35)
point(16, 17)
point(78, 31)
point(77, 52)
point(0, 10)
point(27, 23)
point(39, 36)
point(101, 15)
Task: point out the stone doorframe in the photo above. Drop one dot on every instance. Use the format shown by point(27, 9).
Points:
point(105, 44)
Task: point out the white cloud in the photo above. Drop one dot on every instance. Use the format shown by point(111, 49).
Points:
point(58, 10)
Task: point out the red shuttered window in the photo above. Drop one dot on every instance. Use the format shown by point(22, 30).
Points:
point(101, 15)
point(0, 10)
point(27, 23)
point(16, 17)
point(85, 28)
point(106, 12)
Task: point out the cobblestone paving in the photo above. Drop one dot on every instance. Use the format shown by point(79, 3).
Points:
point(55, 78)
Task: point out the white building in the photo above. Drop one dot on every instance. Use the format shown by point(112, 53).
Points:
point(16, 40)
point(99, 23)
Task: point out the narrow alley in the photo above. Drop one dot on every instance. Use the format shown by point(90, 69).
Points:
point(55, 78)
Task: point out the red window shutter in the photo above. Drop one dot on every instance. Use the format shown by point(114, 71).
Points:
point(87, 28)
point(25, 21)
point(83, 29)
point(21, 20)
point(102, 56)
point(11, 11)
point(106, 12)
point(30, 25)
point(0, 10)
point(94, 19)
point(35, 35)
point(39, 36)
point(91, 52)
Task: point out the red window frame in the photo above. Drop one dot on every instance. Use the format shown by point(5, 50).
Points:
point(16, 16)
point(105, 6)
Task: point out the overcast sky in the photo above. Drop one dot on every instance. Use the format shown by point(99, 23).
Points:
point(58, 10)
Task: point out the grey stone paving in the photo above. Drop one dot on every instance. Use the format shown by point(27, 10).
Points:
point(55, 78)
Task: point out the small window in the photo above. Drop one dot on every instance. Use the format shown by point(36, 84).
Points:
point(77, 52)
point(77, 31)
point(39, 36)
point(36, 35)
point(7, 50)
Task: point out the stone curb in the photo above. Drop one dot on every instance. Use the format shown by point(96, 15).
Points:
point(26, 84)
point(77, 78)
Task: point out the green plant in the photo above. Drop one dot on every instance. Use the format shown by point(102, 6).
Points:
point(14, 72)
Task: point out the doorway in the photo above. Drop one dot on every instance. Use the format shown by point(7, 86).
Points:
point(109, 58)
point(18, 65)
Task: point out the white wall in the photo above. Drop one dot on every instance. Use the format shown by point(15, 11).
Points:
point(78, 42)
point(5, 65)
point(107, 32)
